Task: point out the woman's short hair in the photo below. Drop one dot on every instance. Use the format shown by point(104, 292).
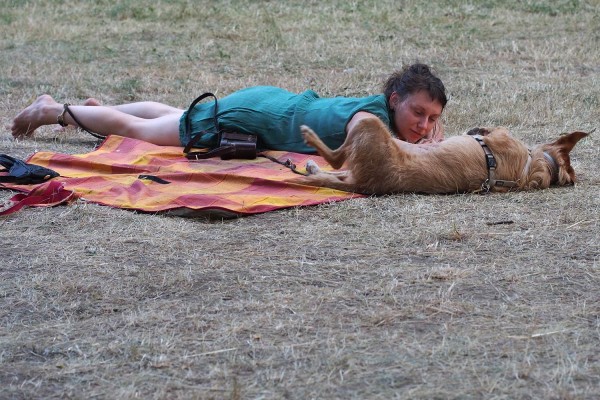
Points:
point(412, 79)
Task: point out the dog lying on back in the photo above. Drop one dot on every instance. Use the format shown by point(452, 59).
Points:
point(486, 159)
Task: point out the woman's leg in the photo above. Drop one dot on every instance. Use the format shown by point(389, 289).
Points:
point(143, 109)
point(163, 130)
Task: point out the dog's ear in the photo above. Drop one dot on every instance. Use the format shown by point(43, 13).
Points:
point(566, 142)
point(559, 150)
point(478, 131)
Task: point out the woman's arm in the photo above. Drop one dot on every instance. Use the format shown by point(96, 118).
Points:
point(356, 118)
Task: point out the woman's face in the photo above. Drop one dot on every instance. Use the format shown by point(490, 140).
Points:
point(415, 116)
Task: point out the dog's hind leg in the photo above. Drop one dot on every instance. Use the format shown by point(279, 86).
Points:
point(374, 158)
point(341, 180)
point(335, 158)
point(313, 169)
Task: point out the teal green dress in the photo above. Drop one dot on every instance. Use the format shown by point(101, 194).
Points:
point(275, 116)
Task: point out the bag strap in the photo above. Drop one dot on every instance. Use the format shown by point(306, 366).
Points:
point(218, 152)
point(188, 126)
point(287, 163)
point(48, 194)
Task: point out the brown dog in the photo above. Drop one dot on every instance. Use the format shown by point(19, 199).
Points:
point(484, 160)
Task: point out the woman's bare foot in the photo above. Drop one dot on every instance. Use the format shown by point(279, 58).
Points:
point(43, 111)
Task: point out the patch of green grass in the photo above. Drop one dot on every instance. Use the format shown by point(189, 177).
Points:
point(553, 9)
point(131, 10)
point(16, 3)
point(7, 18)
point(128, 88)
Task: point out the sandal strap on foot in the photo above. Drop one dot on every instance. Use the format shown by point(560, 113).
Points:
point(61, 117)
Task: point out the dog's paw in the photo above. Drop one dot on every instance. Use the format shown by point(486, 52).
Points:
point(478, 131)
point(312, 167)
point(309, 136)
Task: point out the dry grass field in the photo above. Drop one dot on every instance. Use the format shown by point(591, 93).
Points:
point(406, 296)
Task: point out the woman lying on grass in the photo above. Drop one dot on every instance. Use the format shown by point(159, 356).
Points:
point(411, 105)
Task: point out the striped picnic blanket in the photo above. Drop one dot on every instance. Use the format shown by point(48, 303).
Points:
point(136, 175)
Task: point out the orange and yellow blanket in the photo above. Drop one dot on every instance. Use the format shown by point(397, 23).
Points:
point(136, 175)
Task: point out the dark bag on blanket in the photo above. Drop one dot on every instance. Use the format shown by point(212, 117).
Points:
point(22, 173)
point(229, 144)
